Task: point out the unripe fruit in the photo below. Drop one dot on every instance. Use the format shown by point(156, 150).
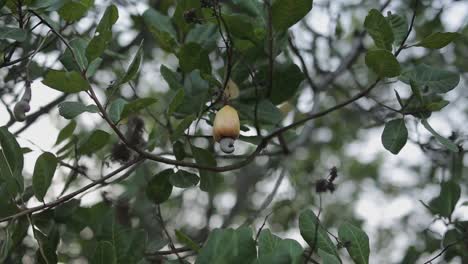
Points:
point(226, 128)
point(231, 91)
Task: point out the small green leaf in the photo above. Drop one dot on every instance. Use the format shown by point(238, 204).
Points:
point(183, 125)
point(137, 105)
point(176, 101)
point(116, 109)
point(230, 246)
point(179, 150)
point(286, 13)
point(358, 242)
point(186, 240)
point(444, 141)
point(436, 80)
point(44, 171)
point(286, 81)
point(105, 253)
point(395, 135)
point(103, 34)
point(205, 35)
point(328, 258)
point(172, 78)
point(267, 112)
point(209, 181)
point(93, 67)
point(383, 63)
point(315, 236)
point(192, 56)
point(445, 203)
point(438, 40)
point(184, 179)
point(162, 28)
point(17, 34)
point(67, 82)
point(71, 110)
point(97, 140)
point(159, 188)
point(11, 163)
point(134, 65)
point(66, 132)
point(379, 29)
point(78, 46)
point(274, 250)
point(399, 26)
point(74, 10)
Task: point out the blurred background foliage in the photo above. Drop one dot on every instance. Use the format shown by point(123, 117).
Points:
point(399, 201)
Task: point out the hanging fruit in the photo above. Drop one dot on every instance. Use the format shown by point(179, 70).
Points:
point(226, 128)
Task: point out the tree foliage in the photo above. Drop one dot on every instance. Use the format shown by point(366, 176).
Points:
point(140, 83)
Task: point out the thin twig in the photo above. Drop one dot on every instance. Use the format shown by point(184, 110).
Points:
point(65, 198)
point(163, 226)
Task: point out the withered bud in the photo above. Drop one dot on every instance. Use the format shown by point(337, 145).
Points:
point(190, 16)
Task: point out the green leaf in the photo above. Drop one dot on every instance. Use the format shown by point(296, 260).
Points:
point(192, 56)
point(228, 246)
point(434, 79)
point(328, 258)
point(445, 203)
point(66, 210)
point(162, 28)
point(179, 150)
point(240, 26)
point(399, 26)
point(103, 34)
point(116, 109)
point(197, 93)
point(383, 63)
point(186, 240)
point(312, 233)
point(78, 45)
point(286, 81)
point(67, 82)
point(105, 253)
point(44, 171)
point(209, 181)
point(71, 110)
point(395, 135)
point(17, 34)
point(274, 250)
point(176, 101)
point(379, 29)
point(266, 112)
point(75, 10)
point(97, 140)
point(438, 40)
point(137, 105)
point(159, 188)
point(184, 179)
point(444, 141)
point(48, 5)
point(205, 35)
point(286, 13)
point(358, 241)
point(134, 65)
point(49, 243)
point(183, 125)
point(93, 67)
point(11, 163)
point(172, 78)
